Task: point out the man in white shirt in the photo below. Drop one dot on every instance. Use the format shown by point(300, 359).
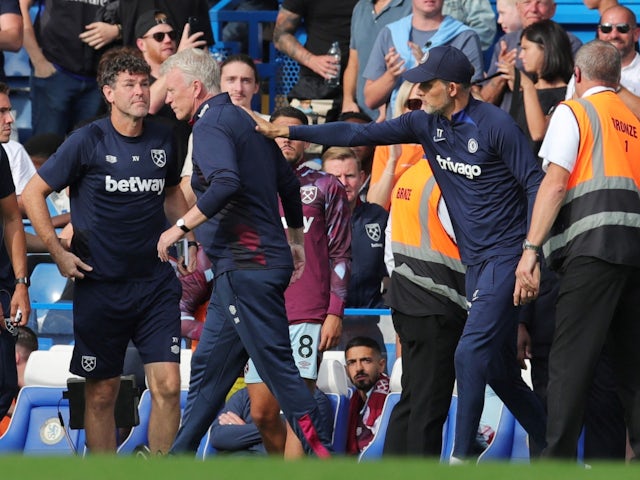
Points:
point(619, 27)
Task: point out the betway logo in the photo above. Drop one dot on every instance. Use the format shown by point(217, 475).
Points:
point(134, 184)
point(306, 221)
point(469, 171)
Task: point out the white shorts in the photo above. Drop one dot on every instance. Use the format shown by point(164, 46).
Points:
point(305, 338)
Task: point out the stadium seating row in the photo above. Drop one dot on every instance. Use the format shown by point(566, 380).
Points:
point(40, 423)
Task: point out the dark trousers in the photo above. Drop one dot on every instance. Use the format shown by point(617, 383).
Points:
point(8, 374)
point(247, 317)
point(428, 345)
point(597, 303)
point(486, 354)
point(605, 433)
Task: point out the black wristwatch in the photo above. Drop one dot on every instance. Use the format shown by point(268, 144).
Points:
point(527, 245)
point(180, 224)
point(23, 281)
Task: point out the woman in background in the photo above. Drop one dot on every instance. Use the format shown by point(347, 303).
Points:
point(545, 51)
point(391, 161)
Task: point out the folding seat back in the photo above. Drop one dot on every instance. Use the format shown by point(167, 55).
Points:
point(35, 427)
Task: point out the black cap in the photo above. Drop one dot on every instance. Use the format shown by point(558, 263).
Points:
point(443, 63)
point(148, 20)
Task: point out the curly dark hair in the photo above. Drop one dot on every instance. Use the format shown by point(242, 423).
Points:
point(118, 60)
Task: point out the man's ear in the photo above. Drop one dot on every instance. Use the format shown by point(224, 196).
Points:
point(198, 89)
point(383, 364)
point(452, 89)
point(107, 91)
point(577, 74)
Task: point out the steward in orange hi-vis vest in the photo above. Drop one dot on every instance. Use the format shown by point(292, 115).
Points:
point(602, 200)
point(423, 251)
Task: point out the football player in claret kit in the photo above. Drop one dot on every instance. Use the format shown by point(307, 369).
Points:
point(123, 179)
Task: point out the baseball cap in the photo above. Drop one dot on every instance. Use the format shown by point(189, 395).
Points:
point(444, 63)
point(148, 20)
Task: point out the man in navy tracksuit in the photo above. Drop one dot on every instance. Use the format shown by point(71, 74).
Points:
point(238, 176)
point(489, 179)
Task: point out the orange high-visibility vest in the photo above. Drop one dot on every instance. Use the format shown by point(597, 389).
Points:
point(422, 250)
point(600, 214)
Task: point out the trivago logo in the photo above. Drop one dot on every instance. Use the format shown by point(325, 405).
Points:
point(134, 184)
point(469, 171)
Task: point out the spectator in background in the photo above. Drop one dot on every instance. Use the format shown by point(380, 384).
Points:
point(315, 303)
point(364, 153)
point(235, 432)
point(26, 342)
point(508, 16)
point(506, 49)
point(123, 15)
point(547, 65)
point(367, 19)
point(403, 43)
point(156, 39)
point(366, 23)
point(368, 222)
point(63, 81)
point(477, 14)
point(14, 281)
point(365, 368)
point(22, 168)
point(618, 26)
point(10, 30)
point(600, 5)
point(391, 161)
point(40, 148)
point(326, 22)
point(239, 78)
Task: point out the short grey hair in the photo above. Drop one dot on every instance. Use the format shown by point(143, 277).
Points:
point(195, 64)
point(599, 61)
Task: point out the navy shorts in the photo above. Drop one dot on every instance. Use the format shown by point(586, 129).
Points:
point(106, 315)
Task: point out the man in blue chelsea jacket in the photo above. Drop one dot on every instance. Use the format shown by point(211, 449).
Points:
point(489, 179)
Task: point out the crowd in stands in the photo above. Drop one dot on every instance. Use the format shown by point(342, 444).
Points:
point(428, 184)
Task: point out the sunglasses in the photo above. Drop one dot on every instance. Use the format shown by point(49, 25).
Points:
point(159, 36)
point(413, 104)
point(620, 27)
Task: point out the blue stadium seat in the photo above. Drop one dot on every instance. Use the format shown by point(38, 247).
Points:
point(35, 428)
point(374, 450)
point(501, 446)
point(47, 284)
point(449, 431)
point(138, 435)
point(340, 407)
point(520, 449)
